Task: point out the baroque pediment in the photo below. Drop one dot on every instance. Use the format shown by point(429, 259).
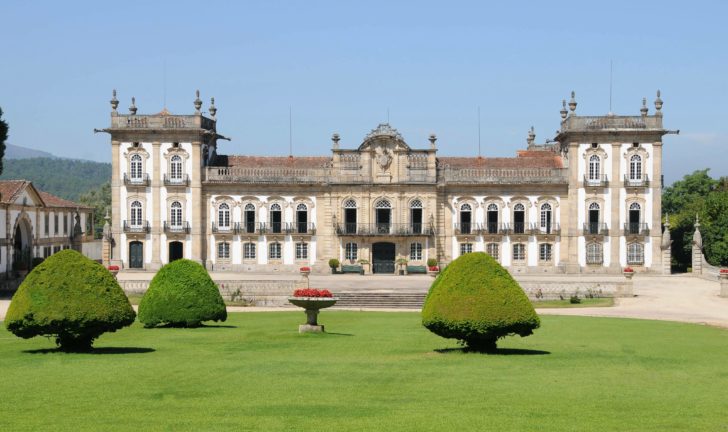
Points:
point(386, 137)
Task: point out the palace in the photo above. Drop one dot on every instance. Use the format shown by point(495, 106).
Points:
point(587, 203)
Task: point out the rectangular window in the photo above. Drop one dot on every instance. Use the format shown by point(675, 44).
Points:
point(301, 251)
point(56, 249)
point(544, 252)
point(351, 252)
point(47, 221)
point(416, 251)
point(248, 250)
point(65, 223)
point(493, 250)
point(466, 248)
point(223, 250)
point(519, 252)
point(635, 254)
point(594, 253)
point(55, 223)
point(274, 251)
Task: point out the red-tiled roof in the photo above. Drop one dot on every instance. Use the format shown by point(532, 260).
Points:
point(9, 189)
point(277, 161)
point(547, 160)
point(54, 201)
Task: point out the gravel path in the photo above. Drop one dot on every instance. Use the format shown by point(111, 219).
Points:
point(670, 298)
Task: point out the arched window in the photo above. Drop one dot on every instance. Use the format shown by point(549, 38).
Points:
point(594, 253)
point(223, 216)
point(136, 214)
point(416, 216)
point(136, 167)
point(593, 221)
point(634, 216)
point(635, 167)
point(594, 167)
point(491, 218)
point(350, 216)
point(249, 219)
point(175, 214)
point(519, 219)
point(635, 254)
point(175, 168)
point(383, 216)
point(383, 204)
point(546, 218)
point(302, 218)
point(276, 218)
point(466, 218)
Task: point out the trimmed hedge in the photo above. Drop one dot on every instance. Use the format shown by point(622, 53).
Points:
point(181, 294)
point(70, 297)
point(476, 301)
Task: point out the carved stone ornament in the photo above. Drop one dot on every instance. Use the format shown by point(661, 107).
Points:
point(383, 157)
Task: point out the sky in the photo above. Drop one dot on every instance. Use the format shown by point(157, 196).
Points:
point(344, 67)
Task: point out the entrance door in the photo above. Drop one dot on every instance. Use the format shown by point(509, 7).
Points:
point(350, 220)
point(383, 257)
point(593, 221)
point(175, 251)
point(383, 220)
point(136, 254)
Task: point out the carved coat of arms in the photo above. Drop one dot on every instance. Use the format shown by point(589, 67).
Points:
point(383, 157)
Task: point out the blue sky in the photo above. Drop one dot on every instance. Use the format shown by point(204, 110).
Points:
point(341, 66)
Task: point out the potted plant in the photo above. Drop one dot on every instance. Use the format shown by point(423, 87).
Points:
point(305, 270)
point(114, 269)
point(432, 267)
point(312, 301)
point(628, 272)
point(723, 274)
point(402, 263)
point(334, 264)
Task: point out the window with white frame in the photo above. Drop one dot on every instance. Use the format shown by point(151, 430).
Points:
point(136, 167)
point(276, 218)
point(55, 222)
point(519, 252)
point(594, 167)
point(274, 251)
point(493, 249)
point(351, 251)
point(301, 251)
point(175, 168)
point(135, 216)
point(544, 251)
point(223, 250)
point(635, 254)
point(594, 253)
point(546, 218)
point(175, 214)
point(415, 251)
point(466, 248)
point(65, 223)
point(249, 250)
point(223, 215)
point(519, 219)
point(635, 167)
point(466, 218)
point(491, 217)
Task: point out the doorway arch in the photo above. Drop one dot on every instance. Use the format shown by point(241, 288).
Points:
point(23, 241)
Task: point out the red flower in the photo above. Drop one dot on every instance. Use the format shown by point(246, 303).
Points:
point(305, 269)
point(434, 268)
point(113, 268)
point(723, 271)
point(312, 292)
point(628, 270)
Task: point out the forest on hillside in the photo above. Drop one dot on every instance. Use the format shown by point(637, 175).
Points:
point(66, 178)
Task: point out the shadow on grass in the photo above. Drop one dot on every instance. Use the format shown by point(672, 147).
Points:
point(498, 351)
point(183, 327)
point(339, 334)
point(102, 350)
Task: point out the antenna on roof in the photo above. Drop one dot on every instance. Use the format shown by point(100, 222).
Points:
point(387, 115)
point(610, 86)
point(164, 83)
point(290, 132)
point(478, 130)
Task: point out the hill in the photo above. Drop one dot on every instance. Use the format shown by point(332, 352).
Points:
point(66, 178)
point(18, 152)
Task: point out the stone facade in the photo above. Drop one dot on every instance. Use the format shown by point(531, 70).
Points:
point(587, 203)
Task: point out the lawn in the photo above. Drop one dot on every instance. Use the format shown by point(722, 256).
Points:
point(372, 372)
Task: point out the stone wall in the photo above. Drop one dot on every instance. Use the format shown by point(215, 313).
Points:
point(554, 288)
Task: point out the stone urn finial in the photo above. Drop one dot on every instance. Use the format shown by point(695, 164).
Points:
point(433, 139)
point(213, 109)
point(572, 102)
point(658, 104)
point(697, 237)
point(335, 138)
point(114, 101)
point(133, 108)
point(644, 109)
point(198, 102)
point(531, 136)
point(563, 111)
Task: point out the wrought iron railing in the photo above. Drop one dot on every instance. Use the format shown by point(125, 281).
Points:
point(600, 181)
point(637, 183)
point(232, 228)
point(136, 181)
point(553, 228)
point(177, 181)
point(636, 229)
point(181, 228)
point(595, 228)
point(384, 229)
point(135, 226)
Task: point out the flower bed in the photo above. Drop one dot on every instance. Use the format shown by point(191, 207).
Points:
point(305, 269)
point(629, 270)
point(434, 268)
point(312, 292)
point(113, 268)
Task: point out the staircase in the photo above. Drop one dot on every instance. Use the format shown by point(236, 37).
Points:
point(380, 300)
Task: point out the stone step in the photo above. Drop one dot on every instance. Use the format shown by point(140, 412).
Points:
point(385, 300)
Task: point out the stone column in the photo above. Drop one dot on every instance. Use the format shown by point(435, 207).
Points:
point(156, 230)
point(117, 209)
point(666, 248)
point(197, 229)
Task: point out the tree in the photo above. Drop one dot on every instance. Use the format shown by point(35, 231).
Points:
point(698, 194)
point(3, 137)
point(70, 297)
point(100, 200)
point(181, 294)
point(476, 301)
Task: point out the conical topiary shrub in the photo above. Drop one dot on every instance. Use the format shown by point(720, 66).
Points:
point(477, 301)
point(70, 297)
point(181, 294)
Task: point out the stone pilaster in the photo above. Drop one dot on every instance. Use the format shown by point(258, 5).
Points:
point(157, 209)
point(658, 255)
point(569, 228)
point(199, 207)
point(117, 209)
point(615, 228)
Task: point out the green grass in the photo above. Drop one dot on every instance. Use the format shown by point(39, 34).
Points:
point(372, 372)
point(585, 302)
